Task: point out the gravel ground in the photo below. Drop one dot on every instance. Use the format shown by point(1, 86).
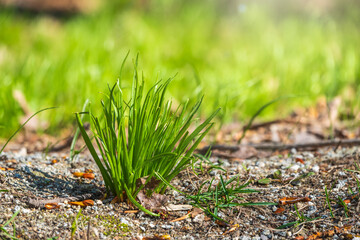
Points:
point(35, 177)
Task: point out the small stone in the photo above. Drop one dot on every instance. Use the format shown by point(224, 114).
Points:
point(316, 168)
point(199, 218)
point(26, 210)
point(166, 226)
point(263, 237)
point(295, 167)
point(152, 225)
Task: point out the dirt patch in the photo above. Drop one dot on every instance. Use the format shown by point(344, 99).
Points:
point(36, 176)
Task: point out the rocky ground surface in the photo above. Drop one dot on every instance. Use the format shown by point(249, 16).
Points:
point(29, 181)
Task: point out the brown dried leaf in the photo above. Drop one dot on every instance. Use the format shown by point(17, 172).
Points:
point(300, 160)
point(157, 237)
point(181, 218)
point(156, 201)
point(78, 174)
point(131, 211)
point(7, 169)
point(115, 200)
point(51, 206)
point(232, 229)
point(195, 212)
point(299, 238)
point(221, 223)
point(89, 175)
point(88, 202)
point(279, 210)
point(81, 204)
point(292, 200)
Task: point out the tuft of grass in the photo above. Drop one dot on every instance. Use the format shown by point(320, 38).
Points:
point(301, 219)
point(140, 136)
point(74, 223)
point(328, 202)
point(6, 233)
point(221, 196)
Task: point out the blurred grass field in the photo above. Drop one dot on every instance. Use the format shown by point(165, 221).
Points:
point(239, 54)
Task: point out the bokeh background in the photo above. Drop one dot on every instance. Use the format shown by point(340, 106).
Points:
point(239, 54)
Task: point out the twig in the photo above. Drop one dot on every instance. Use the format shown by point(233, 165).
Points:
point(326, 143)
point(269, 147)
point(88, 231)
point(40, 203)
point(269, 123)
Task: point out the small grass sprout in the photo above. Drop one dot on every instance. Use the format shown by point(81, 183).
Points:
point(141, 136)
point(301, 219)
point(5, 233)
point(328, 202)
point(223, 195)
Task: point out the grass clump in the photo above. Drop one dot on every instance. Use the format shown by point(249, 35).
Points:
point(141, 136)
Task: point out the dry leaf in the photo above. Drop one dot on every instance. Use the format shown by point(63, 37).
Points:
point(292, 200)
point(78, 174)
point(84, 175)
point(7, 169)
point(81, 204)
point(115, 200)
point(89, 175)
point(131, 211)
point(300, 160)
point(156, 201)
point(299, 238)
point(196, 212)
point(221, 223)
point(51, 206)
point(88, 202)
point(192, 214)
point(157, 237)
point(181, 218)
point(279, 210)
point(232, 228)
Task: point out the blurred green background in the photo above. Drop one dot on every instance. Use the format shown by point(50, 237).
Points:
point(239, 54)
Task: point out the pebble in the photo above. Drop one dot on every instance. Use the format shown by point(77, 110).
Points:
point(166, 226)
point(295, 167)
point(315, 168)
point(199, 218)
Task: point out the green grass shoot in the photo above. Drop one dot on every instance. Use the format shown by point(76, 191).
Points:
point(75, 223)
point(301, 218)
point(142, 135)
point(73, 152)
point(328, 202)
point(6, 233)
point(223, 195)
point(22, 125)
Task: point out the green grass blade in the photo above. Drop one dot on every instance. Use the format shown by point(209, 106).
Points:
point(76, 135)
point(22, 125)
